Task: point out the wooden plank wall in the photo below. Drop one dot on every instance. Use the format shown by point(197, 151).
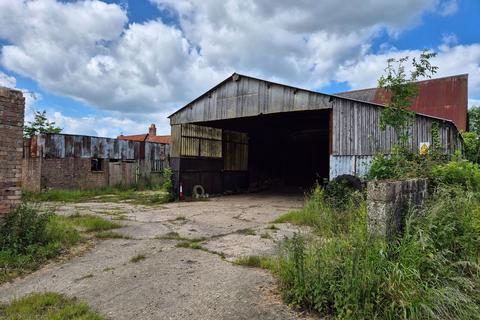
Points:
point(235, 151)
point(246, 97)
point(356, 131)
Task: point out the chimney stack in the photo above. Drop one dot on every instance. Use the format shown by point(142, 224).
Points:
point(152, 130)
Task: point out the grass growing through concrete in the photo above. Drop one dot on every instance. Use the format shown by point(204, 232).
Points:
point(131, 195)
point(89, 223)
point(247, 232)
point(111, 235)
point(266, 235)
point(263, 262)
point(137, 258)
point(171, 236)
point(195, 245)
point(48, 306)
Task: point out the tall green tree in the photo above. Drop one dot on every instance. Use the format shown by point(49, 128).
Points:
point(400, 88)
point(40, 124)
point(474, 120)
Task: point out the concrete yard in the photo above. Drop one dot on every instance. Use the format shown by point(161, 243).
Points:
point(171, 282)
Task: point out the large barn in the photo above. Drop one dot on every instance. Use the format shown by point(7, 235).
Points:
point(249, 133)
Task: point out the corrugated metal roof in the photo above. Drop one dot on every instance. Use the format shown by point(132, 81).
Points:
point(445, 98)
point(343, 96)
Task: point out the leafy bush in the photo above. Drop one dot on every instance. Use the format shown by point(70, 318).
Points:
point(168, 182)
point(458, 173)
point(404, 164)
point(29, 238)
point(471, 145)
point(343, 192)
point(23, 228)
point(432, 272)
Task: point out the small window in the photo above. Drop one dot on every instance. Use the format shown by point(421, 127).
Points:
point(97, 165)
point(157, 165)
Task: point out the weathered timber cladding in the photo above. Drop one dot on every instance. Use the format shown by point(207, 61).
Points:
point(356, 131)
point(12, 105)
point(235, 151)
point(176, 133)
point(198, 141)
point(246, 97)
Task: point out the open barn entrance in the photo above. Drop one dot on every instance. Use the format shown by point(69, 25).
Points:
point(285, 150)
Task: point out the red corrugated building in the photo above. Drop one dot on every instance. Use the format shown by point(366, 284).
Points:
point(445, 98)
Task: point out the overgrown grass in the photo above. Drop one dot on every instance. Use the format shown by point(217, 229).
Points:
point(28, 239)
point(131, 195)
point(326, 219)
point(89, 223)
point(431, 272)
point(48, 306)
point(263, 262)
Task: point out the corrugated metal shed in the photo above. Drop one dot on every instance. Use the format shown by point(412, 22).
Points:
point(243, 96)
point(445, 98)
point(76, 146)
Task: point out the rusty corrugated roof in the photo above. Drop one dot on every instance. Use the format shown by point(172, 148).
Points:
point(445, 98)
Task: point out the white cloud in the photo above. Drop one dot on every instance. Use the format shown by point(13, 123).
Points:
point(450, 60)
point(7, 81)
point(88, 50)
point(448, 7)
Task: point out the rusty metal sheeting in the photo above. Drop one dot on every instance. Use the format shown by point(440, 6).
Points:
point(445, 98)
point(76, 146)
point(156, 151)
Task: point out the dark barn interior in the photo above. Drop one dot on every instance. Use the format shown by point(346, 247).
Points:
point(287, 150)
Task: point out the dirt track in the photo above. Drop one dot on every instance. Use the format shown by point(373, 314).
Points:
point(171, 282)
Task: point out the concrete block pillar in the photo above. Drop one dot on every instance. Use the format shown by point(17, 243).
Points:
point(389, 202)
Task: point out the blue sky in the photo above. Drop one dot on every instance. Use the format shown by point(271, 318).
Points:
point(111, 67)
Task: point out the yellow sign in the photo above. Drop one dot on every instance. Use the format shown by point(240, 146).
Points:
point(423, 147)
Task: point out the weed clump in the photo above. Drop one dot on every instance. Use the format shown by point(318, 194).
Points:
point(28, 238)
point(48, 306)
point(431, 272)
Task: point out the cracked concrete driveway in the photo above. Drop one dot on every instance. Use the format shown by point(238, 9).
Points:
point(172, 282)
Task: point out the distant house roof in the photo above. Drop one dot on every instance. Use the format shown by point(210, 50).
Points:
point(146, 137)
point(445, 98)
point(138, 137)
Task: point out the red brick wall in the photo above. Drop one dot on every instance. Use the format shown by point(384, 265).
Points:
point(12, 108)
point(31, 171)
point(72, 173)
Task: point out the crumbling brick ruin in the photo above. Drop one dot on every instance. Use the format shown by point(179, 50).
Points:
point(12, 106)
